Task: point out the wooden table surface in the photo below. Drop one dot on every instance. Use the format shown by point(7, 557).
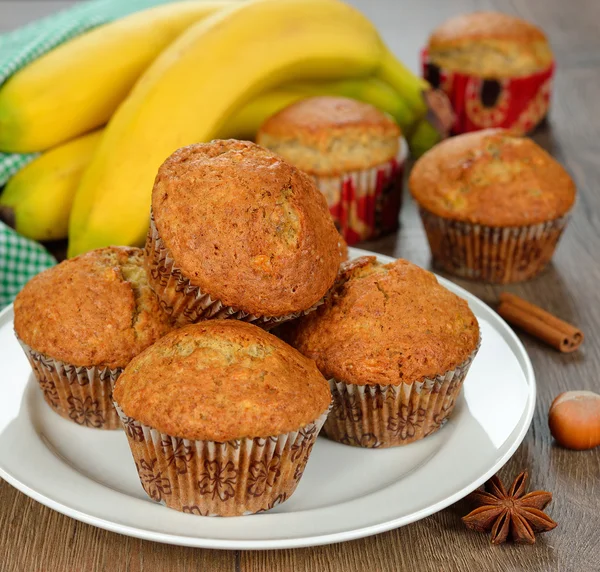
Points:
point(35, 538)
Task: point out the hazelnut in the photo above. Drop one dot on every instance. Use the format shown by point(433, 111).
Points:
point(574, 419)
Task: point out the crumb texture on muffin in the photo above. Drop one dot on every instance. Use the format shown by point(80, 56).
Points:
point(246, 227)
point(327, 135)
point(493, 178)
point(95, 309)
point(221, 380)
point(490, 44)
point(387, 324)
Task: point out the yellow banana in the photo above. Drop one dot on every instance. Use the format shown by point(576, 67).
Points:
point(370, 90)
point(408, 86)
point(244, 124)
point(37, 200)
point(78, 85)
point(188, 92)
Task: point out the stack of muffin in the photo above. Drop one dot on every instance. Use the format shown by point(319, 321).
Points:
point(221, 415)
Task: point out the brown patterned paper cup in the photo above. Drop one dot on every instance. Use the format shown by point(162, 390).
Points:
point(209, 478)
point(365, 204)
point(491, 254)
point(80, 394)
point(377, 416)
point(187, 303)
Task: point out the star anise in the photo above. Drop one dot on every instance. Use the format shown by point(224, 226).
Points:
point(513, 511)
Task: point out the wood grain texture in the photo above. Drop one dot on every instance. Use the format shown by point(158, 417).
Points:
point(34, 538)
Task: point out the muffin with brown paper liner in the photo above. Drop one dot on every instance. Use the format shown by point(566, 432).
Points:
point(80, 323)
point(236, 232)
point(396, 347)
point(221, 418)
point(494, 205)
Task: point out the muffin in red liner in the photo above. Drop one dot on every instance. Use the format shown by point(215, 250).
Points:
point(365, 204)
point(396, 347)
point(355, 154)
point(496, 70)
point(494, 205)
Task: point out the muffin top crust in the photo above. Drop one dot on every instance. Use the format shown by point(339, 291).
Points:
point(494, 178)
point(246, 227)
point(93, 310)
point(328, 135)
point(490, 45)
point(221, 380)
point(387, 324)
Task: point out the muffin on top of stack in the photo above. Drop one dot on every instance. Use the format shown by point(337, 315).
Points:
point(236, 232)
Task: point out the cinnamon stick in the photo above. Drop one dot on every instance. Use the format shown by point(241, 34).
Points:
point(539, 323)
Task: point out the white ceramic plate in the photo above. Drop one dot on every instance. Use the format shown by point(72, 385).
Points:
point(345, 493)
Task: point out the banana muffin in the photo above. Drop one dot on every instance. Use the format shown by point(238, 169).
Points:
point(80, 323)
point(493, 204)
point(237, 232)
point(496, 69)
point(221, 417)
point(353, 151)
point(395, 346)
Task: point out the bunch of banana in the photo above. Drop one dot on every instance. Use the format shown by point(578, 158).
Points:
point(171, 76)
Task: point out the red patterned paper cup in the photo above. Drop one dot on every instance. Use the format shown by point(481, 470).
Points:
point(365, 204)
point(80, 394)
point(376, 416)
point(518, 103)
point(499, 255)
point(208, 478)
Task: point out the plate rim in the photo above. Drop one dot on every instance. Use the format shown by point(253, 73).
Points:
point(321, 539)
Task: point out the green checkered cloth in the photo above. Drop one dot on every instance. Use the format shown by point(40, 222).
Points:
point(20, 259)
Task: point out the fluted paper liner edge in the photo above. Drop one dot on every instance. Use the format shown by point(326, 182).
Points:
point(210, 478)
point(377, 416)
point(499, 255)
point(185, 302)
point(80, 394)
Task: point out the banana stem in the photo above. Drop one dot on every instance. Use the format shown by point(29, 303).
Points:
point(424, 137)
point(408, 86)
